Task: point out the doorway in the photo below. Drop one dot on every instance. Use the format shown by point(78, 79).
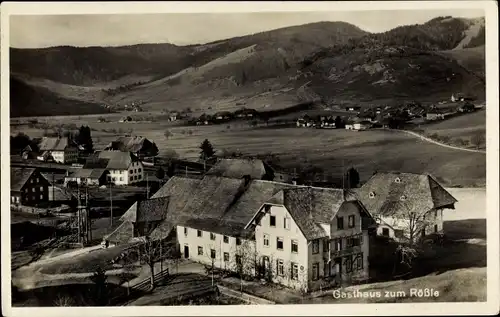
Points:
point(186, 251)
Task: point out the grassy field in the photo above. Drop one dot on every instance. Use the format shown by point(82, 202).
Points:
point(462, 127)
point(368, 151)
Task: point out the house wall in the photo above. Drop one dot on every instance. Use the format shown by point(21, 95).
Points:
point(35, 191)
point(190, 239)
point(68, 156)
point(346, 254)
point(293, 233)
point(433, 217)
point(134, 174)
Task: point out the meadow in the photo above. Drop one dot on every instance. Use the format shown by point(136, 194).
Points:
point(332, 150)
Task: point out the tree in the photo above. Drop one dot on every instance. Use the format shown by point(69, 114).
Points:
point(352, 178)
point(84, 138)
point(339, 123)
point(150, 254)
point(160, 173)
point(167, 134)
point(207, 151)
point(478, 140)
point(100, 280)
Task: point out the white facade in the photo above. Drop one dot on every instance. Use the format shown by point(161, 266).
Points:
point(224, 251)
point(68, 156)
point(284, 232)
point(133, 174)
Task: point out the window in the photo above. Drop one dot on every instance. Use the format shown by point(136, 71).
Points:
point(350, 221)
point(186, 231)
point(199, 233)
point(41, 188)
point(435, 228)
point(340, 223)
point(272, 221)
point(295, 246)
point(435, 213)
point(121, 179)
point(359, 261)
point(114, 179)
point(140, 170)
point(238, 241)
point(385, 232)
point(281, 267)
point(286, 223)
point(226, 239)
point(266, 240)
point(33, 189)
point(338, 245)
point(200, 250)
point(279, 243)
point(295, 271)
point(131, 171)
point(326, 245)
point(131, 178)
point(226, 257)
point(315, 271)
point(212, 236)
point(212, 253)
point(315, 246)
point(41, 197)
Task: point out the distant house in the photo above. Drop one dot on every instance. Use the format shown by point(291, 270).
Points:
point(224, 115)
point(93, 173)
point(173, 116)
point(61, 150)
point(126, 119)
point(240, 168)
point(394, 199)
point(28, 187)
point(245, 113)
point(362, 125)
point(353, 109)
point(124, 168)
point(28, 153)
point(139, 146)
point(466, 108)
point(435, 114)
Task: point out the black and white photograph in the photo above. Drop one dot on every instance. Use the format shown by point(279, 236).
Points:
point(209, 159)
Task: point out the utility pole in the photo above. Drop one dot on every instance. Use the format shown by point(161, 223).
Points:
point(147, 186)
point(111, 206)
point(186, 170)
point(78, 215)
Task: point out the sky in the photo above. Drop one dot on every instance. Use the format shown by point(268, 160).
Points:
point(36, 31)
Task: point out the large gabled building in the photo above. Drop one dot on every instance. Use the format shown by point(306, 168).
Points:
point(139, 146)
point(28, 187)
point(60, 150)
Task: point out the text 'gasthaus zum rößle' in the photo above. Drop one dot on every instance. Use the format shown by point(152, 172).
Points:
point(413, 292)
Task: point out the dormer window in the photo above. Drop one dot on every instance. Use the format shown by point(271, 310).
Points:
point(403, 197)
point(371, 195)
point(398, 180)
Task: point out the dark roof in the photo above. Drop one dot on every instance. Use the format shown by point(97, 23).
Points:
point(122, 234)
point(19, 176)
point(95, 162)
point(117, 159)
point(238, 168)
point(154, 209)
point(54, 144)
point(310, 207)
point(416, 193)
point(132, 144)
point(89, 173)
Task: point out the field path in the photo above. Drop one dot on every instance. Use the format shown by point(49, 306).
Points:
point(422, 137)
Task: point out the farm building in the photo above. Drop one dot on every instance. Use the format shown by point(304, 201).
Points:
point(124, 167)
point(245, 113)
point(362, 125)
point(239, 168)
point(28, 187)
point(435, 114)
point(405, 205)
point(61, 150)
point(139, 146)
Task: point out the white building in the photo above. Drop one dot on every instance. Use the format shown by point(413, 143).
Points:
point(61, 150)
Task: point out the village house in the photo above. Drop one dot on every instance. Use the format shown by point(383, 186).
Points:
point(353, 109)
point(109, 167)
point(60, 150)
point(240, 168)
point(245, 113)
point(301, 237)
point(405, 205)
point(362, 125)
point(28, 187)
point(138, 145)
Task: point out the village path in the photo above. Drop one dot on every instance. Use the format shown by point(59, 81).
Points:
point(424, 138)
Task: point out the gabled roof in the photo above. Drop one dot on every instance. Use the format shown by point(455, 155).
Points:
point(89, 173)
point(122, 234)
point(19, 176)
point(54, 144)
point(132, 144)
point(238, 168)
point(311, 206)
point(118, 160)
point(398, 194)
point(154, 209)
